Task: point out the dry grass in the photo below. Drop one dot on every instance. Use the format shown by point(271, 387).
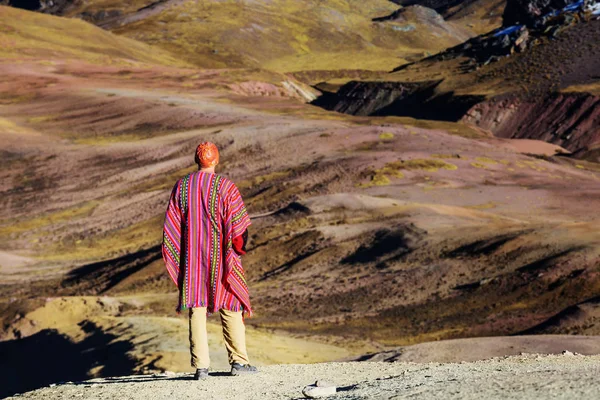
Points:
point(448, 156)
point(485, 160)
point(9, 126)
point(429, 165)
point(381, 177)
point(19, 226)
point(258, 180)
point(593, 88)
point(127, 240)
point(302, 35)
point(31, 35)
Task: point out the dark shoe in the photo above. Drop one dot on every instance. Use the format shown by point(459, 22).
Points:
point(241, 369)
point(201, 373)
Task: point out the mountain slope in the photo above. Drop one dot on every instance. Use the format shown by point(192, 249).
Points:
point(368, 232)
point(549, 91)
point(281, 35)
point(27, 35)
point(480, 15)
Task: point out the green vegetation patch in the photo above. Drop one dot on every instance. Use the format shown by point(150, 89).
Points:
point(381, 177)
point(41, 119)
point(534, 165)
point(424, 164)
point(478, 165)
point(447, 156)
point(486, 160)
point(258, 180)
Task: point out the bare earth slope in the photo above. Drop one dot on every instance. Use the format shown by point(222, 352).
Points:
point(483, 348)
point(481, 15)
point(525, 377)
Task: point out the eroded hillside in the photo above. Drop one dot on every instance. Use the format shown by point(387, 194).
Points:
point(537, 81)
point(369, 232)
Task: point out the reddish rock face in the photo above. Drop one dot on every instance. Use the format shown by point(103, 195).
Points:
point(570, 120)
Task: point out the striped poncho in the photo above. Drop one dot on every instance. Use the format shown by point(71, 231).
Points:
point(205, 214)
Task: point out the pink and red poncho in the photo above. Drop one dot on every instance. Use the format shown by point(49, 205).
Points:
point(206, 214)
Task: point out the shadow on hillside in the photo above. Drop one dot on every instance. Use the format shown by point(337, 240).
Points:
point(101, 276)
point(31, 5)
point(571, 313)
point(50, 357)
point(386, 246)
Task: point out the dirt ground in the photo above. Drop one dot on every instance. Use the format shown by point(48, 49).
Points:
point(524, 377)
point(484, 348)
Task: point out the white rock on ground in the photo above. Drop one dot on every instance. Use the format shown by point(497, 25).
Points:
point(320, 389)
point(528, 377)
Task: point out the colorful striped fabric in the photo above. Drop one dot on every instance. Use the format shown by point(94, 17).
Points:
point(205, 213)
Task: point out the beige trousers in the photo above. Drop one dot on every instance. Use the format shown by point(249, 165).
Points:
point(234, 334)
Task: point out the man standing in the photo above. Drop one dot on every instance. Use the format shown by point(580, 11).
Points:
point(204, 235)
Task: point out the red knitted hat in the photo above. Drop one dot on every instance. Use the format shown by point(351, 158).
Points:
point(207, 155)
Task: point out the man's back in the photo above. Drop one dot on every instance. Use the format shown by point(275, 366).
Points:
point(206, 213)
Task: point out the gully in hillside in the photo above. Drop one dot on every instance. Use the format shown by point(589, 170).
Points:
point(205, 233)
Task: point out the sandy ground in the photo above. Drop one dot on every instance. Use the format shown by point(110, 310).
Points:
point(159, 342)
point(523, 377)
point(12, 260)
point(531, 146)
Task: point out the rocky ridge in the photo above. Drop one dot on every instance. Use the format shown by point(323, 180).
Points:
point(517, 81)
point(515, 37)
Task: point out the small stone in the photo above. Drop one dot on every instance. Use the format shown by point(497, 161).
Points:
point(315, 392)
point(567, 353)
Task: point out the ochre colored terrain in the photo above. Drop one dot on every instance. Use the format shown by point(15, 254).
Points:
point(280, 35)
